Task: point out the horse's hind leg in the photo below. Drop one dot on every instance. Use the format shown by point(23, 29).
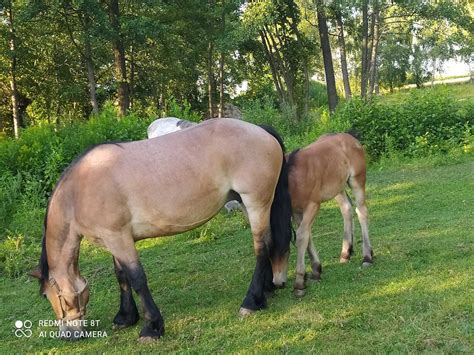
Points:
point(346, 211)
point(259, 223)
point(128, 313)
point(358, 188)
point(315, 262)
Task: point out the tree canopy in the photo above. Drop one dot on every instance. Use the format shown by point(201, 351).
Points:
point(63, 60)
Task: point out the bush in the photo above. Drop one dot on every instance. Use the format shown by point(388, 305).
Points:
point(428, 121)
point(182, 111)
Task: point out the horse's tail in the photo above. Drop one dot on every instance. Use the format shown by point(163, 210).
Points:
point(280, 213)
point(355, 133)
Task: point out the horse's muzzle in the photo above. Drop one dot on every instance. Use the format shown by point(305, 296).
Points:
point(67, 332)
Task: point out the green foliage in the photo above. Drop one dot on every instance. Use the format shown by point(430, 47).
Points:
point(318, 94)
point(182, 111)
point(428, 121)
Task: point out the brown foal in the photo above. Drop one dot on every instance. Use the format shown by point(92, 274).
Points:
point(318, 173)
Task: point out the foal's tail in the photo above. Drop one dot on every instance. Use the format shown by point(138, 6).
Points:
point(280, 214)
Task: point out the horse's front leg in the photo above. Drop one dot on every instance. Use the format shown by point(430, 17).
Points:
point(154, 326)
point(303, 234)
point(128, 313)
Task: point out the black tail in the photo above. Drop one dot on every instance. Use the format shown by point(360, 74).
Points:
point(355, 133)
point(280, 215)
point(43, 262)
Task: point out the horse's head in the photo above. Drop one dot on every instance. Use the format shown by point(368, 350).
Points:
point(69, 306)
point(279, 261)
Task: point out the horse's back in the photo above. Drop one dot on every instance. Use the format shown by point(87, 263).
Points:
point(323, 168)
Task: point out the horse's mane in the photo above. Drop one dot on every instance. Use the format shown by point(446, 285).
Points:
point(43, 262)
point(291, 158)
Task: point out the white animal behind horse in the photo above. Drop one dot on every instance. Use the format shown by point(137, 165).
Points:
point(166, 125)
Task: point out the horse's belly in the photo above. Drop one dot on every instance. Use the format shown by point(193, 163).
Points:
point(173, 221)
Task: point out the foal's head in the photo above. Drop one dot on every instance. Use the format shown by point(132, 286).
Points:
point(279, 259)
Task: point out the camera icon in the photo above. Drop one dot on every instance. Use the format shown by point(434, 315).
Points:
point(23, 328)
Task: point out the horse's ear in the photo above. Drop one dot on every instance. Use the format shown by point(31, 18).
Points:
point(35, 273)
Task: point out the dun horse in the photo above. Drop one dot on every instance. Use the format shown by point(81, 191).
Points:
point(117, 194)
point(318, 173)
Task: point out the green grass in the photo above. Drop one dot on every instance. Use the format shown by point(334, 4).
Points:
point(462, 92)
point(418, 296)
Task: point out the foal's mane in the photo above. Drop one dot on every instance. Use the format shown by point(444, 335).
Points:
point(43, 262)
point(291, 158)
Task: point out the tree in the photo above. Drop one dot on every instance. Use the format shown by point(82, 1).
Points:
point(9, 12)
point(342, 50)
point(327, 57)
point(119, 56)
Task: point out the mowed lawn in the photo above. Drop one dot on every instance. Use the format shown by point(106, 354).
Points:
point(418, 296)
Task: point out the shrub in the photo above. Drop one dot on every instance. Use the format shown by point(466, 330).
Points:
point(428, 121)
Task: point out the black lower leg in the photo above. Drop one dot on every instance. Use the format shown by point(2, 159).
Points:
point(255, 298)
point(128, 312)
point(154, 324)
point(268, 286)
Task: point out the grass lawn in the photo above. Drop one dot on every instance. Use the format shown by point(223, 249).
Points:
point(418, 296)
point(462, 92)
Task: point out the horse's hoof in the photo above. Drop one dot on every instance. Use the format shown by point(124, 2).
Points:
point(269, 294)
point(116, 326)
point(244, 312)
point(299, 292)
point(315, 277)
point(366, 264)
point(147, 339)
point(343, 260)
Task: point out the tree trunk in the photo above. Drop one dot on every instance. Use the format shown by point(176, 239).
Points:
point(374, 50)
point(13, 86)
point(119, 58)
point(221, 85)
point(271, 62)
point(327, 58)
point(90, 67)
point(365, 43)
point(132, 76)
point(210, 78)
point(221, 67)
point(342, 48)
point(304, 64)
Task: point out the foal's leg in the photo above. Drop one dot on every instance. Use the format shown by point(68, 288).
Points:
point(303, 235)
point(358, 188)
point(312, 252)
point(348, 241)
point(259, 222)
point(125, 253)
point(315, 262)
point(128, 313)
